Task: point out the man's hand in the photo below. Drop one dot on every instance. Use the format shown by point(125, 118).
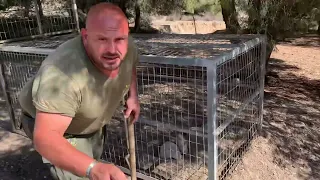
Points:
point(133, 108)
point(132, 104)
point(103, 171)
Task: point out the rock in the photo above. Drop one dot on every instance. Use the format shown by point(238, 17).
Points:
point(146, 161)
point(182, 144)
point(170, 150)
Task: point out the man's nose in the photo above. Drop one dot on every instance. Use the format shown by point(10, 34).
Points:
point(111, 48)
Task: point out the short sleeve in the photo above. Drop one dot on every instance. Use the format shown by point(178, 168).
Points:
point(135, 52)
point(136, 57)
point(55, 92)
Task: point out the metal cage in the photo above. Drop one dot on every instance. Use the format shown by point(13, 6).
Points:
point(201, 100)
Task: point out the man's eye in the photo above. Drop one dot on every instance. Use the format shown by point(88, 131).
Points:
point(121, 39)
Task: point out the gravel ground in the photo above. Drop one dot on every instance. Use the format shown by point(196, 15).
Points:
point(289, 147)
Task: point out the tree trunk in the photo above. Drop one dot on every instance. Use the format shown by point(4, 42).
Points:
point(26, 4)
point(269, 51)
point(123, 5)
point(137, 18)
point(230, 15)
point(254, 16)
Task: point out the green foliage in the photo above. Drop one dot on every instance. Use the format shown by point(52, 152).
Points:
point(166, 7)
point(201, 6)
point(159, 7)
point(4, 4)
point(278, 18)
point(190, 6)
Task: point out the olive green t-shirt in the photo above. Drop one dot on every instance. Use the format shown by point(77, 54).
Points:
point(67, 83)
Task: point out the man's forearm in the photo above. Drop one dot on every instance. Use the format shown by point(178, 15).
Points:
point(133, 87)
point(62, 154)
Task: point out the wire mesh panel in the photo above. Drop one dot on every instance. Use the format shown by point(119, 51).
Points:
point(201, 103)
point(238, 104)
point(17, 19)
point(57, 16)
point(173, 106)
point(18, 66)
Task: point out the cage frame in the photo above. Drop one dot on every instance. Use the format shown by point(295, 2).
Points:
point(209, 63)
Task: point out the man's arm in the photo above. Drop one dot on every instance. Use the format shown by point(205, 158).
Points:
point(133, 85)
point(50, 143)
point(57, 98)
point(133, 107)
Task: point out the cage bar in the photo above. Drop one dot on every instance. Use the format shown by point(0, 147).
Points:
point(201, 101)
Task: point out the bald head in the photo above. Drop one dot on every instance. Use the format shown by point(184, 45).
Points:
point(106, 36)
point(106, 13)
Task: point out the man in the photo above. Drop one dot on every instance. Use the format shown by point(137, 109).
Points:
point(75, 93)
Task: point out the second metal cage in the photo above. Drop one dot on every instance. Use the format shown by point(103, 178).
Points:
point(201, 100)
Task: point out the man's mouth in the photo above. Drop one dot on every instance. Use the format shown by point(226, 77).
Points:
point(112, 59)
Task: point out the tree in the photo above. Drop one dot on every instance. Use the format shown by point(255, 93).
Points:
point(277, 19)
point(137, 17)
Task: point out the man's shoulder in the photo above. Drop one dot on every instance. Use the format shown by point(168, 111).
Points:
point(132, 44)
point(66, 52)
point(68, 59)
point(133, 52)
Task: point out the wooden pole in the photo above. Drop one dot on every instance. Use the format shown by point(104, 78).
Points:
point(132, 149)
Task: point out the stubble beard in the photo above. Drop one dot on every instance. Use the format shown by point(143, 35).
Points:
point(111, 67)
point(103, 65)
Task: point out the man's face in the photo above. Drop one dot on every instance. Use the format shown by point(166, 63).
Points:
point(106, 43)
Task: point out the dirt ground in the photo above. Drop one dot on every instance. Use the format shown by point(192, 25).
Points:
point(288, 148)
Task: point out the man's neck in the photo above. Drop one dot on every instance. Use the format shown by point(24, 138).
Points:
point(109, 73)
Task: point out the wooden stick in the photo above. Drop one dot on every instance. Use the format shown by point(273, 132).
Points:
point(132, 149)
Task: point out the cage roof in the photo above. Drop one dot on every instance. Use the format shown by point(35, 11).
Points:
point(204, 46)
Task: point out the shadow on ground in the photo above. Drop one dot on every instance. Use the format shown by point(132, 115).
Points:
point(18, 160)
point(22, 163)
point(292, 113)
point(305, 40)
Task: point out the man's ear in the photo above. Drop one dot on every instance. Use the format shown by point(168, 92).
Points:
point(84, 34)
